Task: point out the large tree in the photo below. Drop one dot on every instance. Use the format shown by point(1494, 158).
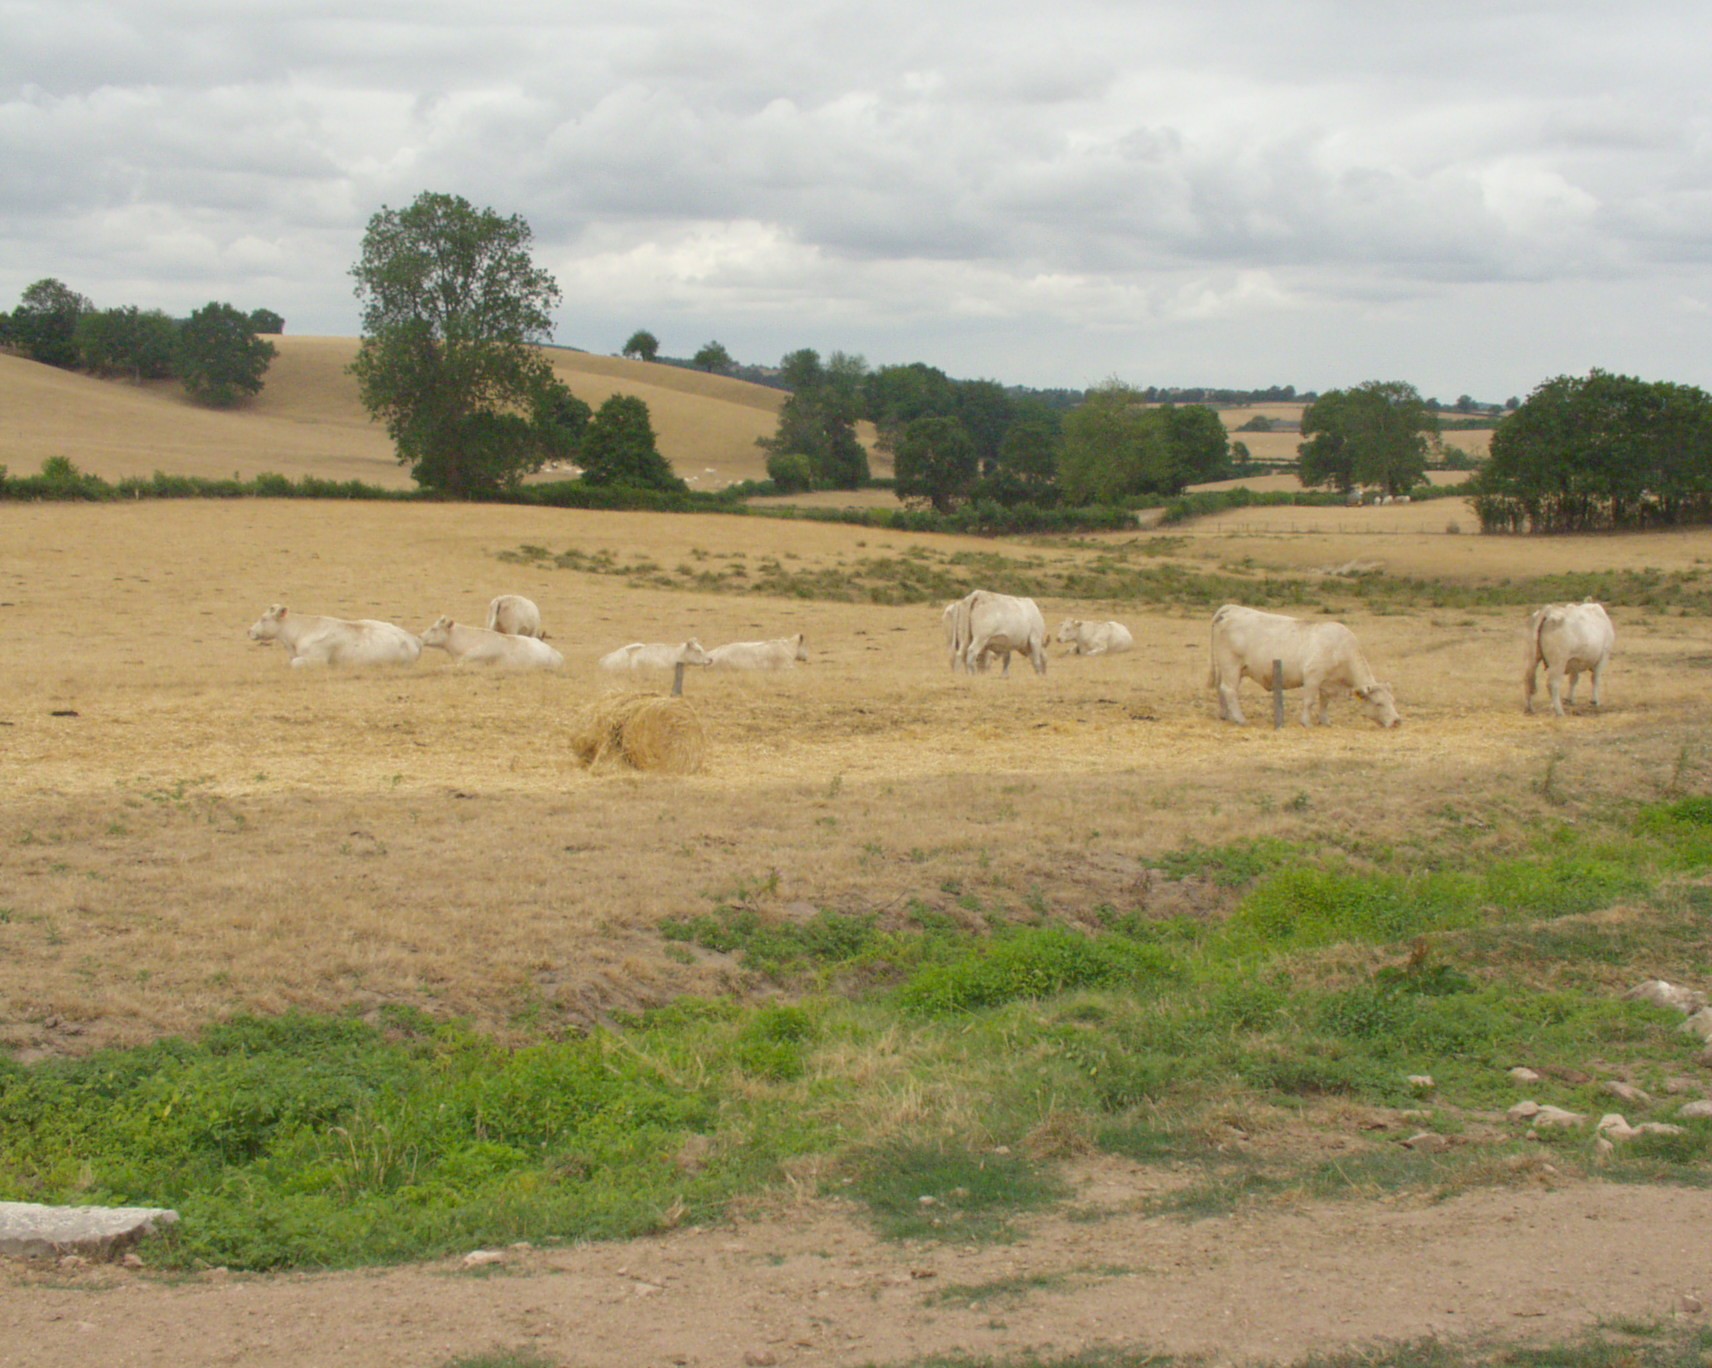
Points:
point(1116, 445)
point(619, 448)
point(44, 325)
point(642, 346)
point(1599, 452)
point(1375, 434)
point(818, 421)
point(714, 358)
point(127, 341)
point(220, 359)
point(453, 307)
point(937, 461)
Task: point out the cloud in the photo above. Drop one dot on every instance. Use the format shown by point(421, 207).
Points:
point(1097, 172)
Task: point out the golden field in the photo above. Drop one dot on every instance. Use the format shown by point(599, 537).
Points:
point(191, 828)
point(308, 420)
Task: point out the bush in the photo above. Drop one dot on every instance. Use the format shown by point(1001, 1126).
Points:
point(789, 471)
point(1031, 963)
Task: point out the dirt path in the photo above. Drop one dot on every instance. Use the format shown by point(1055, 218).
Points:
point(815, 1288)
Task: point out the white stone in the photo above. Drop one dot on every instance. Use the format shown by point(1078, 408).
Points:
point(1421, 1082)
point(1615, 1126)
point(1659, 1128)
point(1524, 1111)
point(1626, 1092)
point(37, 1231)
point(1700, 1024)
point(1428, 1142)
point(1557, 1117)
point(1696, 1111)
point(477, 1258)
point(1671, 995)
point(1522, 1075)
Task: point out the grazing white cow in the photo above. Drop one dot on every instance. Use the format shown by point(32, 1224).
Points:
point(654, 655)
point(335, 641)
point(481, 646)
point(1567, 638)
point(986, 623)
point(515, 616)
point(1095, 638)
point(782, 653)
point(1318, 658)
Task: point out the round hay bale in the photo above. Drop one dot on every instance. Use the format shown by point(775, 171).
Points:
point(645, 731)
point(664, 734)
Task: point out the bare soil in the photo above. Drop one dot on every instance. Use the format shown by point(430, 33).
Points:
point(812, 1287)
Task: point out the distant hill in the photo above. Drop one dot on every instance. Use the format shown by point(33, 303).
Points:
point(308, 420)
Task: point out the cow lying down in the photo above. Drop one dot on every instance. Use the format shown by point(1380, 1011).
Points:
point(1320, 658)
point(336, 641)
point(1095, 638)
point(654, 655)
point(480, 646)
point(782, 653)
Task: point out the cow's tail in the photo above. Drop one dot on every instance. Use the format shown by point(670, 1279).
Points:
point(962, 631)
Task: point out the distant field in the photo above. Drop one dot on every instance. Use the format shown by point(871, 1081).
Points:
point(308, 420)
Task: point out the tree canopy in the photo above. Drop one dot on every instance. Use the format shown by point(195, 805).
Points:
point(937, 461)
point(266, 322)
point(127, 341)
point(1599, 452)
point(220, 359)
point(44, 325)
point(1374, 434)
point(619, 448)
point(713, 358)
point(818, 423)
point(643, 345)
point(453, 305)
point(1117, 446)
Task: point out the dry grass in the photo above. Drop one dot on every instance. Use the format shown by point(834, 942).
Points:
point(309, 421)
point(647, 732)
point(204, 830)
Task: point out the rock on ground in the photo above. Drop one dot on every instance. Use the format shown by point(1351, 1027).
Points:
point(35, 1231)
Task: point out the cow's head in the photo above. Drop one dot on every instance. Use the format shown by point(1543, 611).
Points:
point(802, 647)
point(1068, 631)
point(266, 627)
point(439, 633)
point(1380, 705)
point(692, 653)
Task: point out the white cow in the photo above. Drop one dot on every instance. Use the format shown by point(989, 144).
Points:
point(1095, 638)
point(986, 623)
point(782, 653)
point(335, 641)
point(949, 619)
point(1318, 658)
point(514, 615)
point(654, 655)
point(481, 646)
point(1566, 638)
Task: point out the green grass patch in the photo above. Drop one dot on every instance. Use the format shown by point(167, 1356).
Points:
point(950, 1192)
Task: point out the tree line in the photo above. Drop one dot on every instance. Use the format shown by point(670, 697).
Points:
point(217, 353)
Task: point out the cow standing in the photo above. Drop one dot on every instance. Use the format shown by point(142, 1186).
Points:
point(1567, 638)
point(1318, 658)
point(984, 623)
point(515, 616)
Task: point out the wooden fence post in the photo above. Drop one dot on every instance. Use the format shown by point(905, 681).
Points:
point(678, 680)
point(1277, 695)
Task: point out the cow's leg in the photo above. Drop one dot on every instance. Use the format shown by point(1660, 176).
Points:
point(1037, 656)
point(1554, 686)
point(1230, 707)
point(1528, 686)
point(1599, 679)
point(1574, 679)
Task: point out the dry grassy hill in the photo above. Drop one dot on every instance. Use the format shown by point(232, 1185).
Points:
point(308, 420)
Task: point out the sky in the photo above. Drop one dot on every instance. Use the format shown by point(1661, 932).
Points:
point(1472, 196)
